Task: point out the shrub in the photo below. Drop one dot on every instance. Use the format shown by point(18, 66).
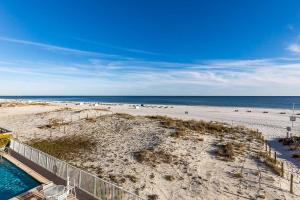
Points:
point(226, 151)
point(153, 157)
point(152, 197)
point(238, 175)
point(169, 177)
point(296, 155)
point(124, 115)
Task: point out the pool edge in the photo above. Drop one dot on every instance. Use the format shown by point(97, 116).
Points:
point(26, 169)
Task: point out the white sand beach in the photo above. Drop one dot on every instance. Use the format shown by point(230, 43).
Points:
point(194, 172)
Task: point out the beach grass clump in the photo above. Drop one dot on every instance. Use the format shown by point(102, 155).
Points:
point(238, 175)
point(169, 177)
point(65, 109)
point(12, 104)
point(290, 141)
point(92, 120)
point(118, 179)
point(239, 147)
point(19, 103)
point(92, 110)
point(54, 123)
point(193, 125)
point(132, 178)
point(271, 163)
point(124, 116)
point(254, 134)
point(226, 151)
point(66, 148)
point(178, 132)
point(62, 109)
point(296, 155)
point(152, 157)
point(152, 197)
point(36, 103)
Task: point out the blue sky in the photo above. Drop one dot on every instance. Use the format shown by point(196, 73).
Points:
point(152, 47)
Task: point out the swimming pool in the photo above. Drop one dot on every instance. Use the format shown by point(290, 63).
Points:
point(13, 180)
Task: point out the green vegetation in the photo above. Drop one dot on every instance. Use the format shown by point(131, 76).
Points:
point(66, 148)
point(238, 175)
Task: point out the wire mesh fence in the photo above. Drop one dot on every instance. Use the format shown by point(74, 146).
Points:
point(89, 183)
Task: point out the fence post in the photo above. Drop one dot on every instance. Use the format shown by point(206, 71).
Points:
point(46, 162)
point(30, 153)
point(19, 151)
point(291, 185)
point(95, 186)
point(79, 181)
point(275, 155)
point(39, 157)
point(113, 193)
point(282, 169)
point(67, 169)
point(266, 145)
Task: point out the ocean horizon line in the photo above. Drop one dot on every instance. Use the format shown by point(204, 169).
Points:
point(285, 102)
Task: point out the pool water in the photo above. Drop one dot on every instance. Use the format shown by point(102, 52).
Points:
point(13, 180)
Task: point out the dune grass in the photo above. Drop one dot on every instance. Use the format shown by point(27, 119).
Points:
point(226, 151)
point(54, 123)
point(125, 116)
point(273, 164)
point(184, 127)
point(193, 125)
point(66, 148)
point(152, 157)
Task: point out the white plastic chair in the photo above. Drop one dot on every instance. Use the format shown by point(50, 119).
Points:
point(63, 196)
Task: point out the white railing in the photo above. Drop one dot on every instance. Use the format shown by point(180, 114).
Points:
point(89, 183)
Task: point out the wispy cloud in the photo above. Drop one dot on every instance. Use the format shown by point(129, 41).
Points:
point(55, 48)
point(212, 73)
point(98, 74)
point(126, 49)
point(294, 48)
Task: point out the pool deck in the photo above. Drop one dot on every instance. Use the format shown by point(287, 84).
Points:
point(48, 175)
point(37, 192)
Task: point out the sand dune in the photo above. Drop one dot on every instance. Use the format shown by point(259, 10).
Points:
point(140, 154)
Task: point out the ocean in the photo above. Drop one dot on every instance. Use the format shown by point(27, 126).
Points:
point(232, 101)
